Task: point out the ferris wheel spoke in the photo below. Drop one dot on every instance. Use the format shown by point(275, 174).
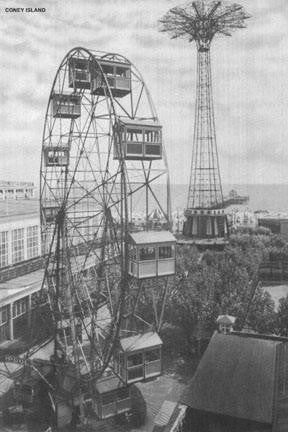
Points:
point(157, 201)
point(138, 101)
point(91, 192)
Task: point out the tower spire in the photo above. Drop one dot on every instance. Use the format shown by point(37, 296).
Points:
point(200, 21)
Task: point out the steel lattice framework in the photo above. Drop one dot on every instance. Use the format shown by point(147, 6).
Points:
point(200, 21)
point(205, 190)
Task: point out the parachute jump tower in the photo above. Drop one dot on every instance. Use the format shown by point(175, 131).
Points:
point(199, 22)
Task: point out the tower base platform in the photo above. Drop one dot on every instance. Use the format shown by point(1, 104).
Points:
point(203, 243)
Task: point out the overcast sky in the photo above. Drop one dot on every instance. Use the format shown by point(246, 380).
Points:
point(249, 72)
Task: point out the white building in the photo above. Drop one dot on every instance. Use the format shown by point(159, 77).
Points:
point(20, 266)
point(16, 190)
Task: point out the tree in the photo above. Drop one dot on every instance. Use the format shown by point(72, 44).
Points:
point(215, 283)
point(282, 317)
point(262, 316)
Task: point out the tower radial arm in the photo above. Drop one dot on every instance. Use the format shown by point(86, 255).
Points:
point(205, 189)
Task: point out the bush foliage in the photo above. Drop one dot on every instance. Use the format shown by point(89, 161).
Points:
point(215, 283)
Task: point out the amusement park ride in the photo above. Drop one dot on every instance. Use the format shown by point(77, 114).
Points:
point(206, 222)
point(102, 154)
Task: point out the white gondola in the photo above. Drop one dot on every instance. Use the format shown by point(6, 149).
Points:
point(118, 76)
point(151, 254)
point(112, 397)
point(57, 156)
point(79, 73)
point(138, 140)
point(50, 211)
point(66, 106)
point(139, 357)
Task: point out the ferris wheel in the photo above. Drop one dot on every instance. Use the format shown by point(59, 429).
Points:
point(107, 271)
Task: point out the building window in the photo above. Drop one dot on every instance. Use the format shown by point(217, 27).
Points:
point(135, 359)
point(134, 135)
point(17, 245)
point(166, 252)
point(3, 248)
point(152, 355)
point(32, 242)
point(3, 315)
point(225, 328)
point(147, 253)
point(135, 366)
point(20, 307)
point(152, 136)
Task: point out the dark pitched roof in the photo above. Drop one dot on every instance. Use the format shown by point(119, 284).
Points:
point(235, 377)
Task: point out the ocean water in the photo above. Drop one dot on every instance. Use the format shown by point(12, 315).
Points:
point(272, 197)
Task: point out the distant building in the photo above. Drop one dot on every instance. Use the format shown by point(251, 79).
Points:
point(19, 233)
point(16, 190)
point(277, 223)
point(242, 218)
point(18, 298)
point(21, 269)
point(240, 385)
point(225, 323)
